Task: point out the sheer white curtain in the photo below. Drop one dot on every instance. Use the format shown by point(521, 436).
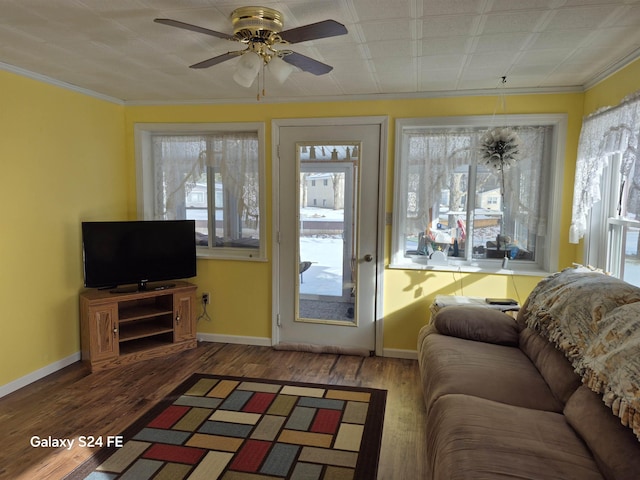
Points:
point(181, 160)
point(613, 130)
point(526, 181)
point(434, 155)
point(438, 154)
point(234, 156)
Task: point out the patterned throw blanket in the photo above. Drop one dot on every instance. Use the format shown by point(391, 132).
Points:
point(594, 319)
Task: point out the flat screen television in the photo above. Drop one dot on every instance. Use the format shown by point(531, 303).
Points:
point(137, 253)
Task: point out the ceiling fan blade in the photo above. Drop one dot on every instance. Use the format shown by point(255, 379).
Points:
point(216, 60)
point(193, 28)
point(313, 31)
point(307, 64)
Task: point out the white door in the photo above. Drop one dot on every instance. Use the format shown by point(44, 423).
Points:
point(327, 215)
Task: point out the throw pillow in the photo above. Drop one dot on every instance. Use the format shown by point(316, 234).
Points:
point(481, 324)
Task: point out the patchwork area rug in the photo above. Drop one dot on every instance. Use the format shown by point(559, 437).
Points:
point(232, 428)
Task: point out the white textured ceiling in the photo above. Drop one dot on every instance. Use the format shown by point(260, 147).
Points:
point(397, 47)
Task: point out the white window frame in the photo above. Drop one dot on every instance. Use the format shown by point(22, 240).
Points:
point(143, 133)
point(596, 236)
point(547, 253)
point(604, 241)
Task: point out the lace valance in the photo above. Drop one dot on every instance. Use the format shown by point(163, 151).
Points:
point(612, 130)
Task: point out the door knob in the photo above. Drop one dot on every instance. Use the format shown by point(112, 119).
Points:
point(368, 257)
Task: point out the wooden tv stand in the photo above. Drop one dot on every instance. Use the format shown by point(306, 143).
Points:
point(125, 327)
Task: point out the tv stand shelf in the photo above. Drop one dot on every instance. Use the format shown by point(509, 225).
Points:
point(123, 327)
point(138, 313)
point(142, 330)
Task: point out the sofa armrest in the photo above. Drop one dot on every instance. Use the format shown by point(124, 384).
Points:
point(477, 323)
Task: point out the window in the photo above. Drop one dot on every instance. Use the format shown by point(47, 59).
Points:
point(447, 200)
point(614, 223)
point(212, 174)
point(606, 198)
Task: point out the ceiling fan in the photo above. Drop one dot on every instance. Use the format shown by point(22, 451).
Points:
point(260, 29)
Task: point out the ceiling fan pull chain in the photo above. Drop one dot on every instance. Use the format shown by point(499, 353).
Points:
point(260, 79)
point(264, 82)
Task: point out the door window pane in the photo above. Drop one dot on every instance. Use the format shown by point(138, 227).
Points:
point(326, 238)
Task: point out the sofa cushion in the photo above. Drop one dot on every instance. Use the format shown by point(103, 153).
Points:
point(614, 446)
point(473, 438)
point(496, 372)
point(477, 323)
point(551, 363)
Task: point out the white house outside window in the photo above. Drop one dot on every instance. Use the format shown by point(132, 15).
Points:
point(212, 174)
point(447, 200)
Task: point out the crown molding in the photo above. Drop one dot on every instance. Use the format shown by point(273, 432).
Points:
point(367, 97)
point(58, 83)
point(613, 69)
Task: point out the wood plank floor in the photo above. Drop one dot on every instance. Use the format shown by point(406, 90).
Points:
point(73, 402)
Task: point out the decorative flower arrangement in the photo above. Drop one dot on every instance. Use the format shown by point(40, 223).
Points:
point(499, 147)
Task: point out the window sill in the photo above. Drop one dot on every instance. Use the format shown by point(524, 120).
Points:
point(230, 254)
point(515, 268)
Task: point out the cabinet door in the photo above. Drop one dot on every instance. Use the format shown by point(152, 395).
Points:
point(103, 332)
point(184, 319)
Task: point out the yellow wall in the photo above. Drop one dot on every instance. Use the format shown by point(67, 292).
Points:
point(62, 160)
point(68, 157)
point(612, 90)
point(407, 293)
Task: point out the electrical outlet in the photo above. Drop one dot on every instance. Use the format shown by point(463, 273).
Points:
point(205, 298)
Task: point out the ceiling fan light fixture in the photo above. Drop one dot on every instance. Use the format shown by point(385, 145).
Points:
point(245, 82)
point(261, 30)
point(247, 69)
point(256, 21)
point(279, 69)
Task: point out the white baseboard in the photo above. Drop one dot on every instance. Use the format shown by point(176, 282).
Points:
point(38, 374)
point(398, 353)
point(241, 340)
point(266, 342)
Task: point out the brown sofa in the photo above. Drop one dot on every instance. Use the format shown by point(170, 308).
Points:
point(551, 395)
